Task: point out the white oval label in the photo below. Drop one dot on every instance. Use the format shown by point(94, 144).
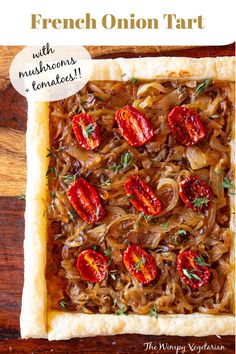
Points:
point(49, 73)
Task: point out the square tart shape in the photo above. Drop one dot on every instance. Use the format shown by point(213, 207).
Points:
point(36, 320)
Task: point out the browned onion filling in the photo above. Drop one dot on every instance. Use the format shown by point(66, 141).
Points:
point(163, 164)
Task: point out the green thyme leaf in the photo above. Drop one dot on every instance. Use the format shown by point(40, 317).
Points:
point(51, 153)
point(199, 202)
point(113, 274)
point(98, 211)
point(63, 304)
point(122, 311)
point(71, 213)
point(53, 170)
point(196, 277)
point(202, 86)
point(88, 130)
point(143, 259)
point(140, 215)
point(165, 225)
point(126, 159)
point(154, 311)
point(52, 194)
point(227, 183)
point(181, 232)
point(200, 261)
point(107, 252)
point(134, 80)
point(94, 247)
point(68, 179)
point(104, 181)
point(187, 273)
point(148, 218)
point(21, 196)
point(190, 274)
point(116, 168)
point(137, 266)
point(130, 196)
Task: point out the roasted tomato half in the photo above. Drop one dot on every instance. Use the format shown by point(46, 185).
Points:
point(134, 126)
point(85, 200)
point(193, 269)
point(86, 131)
point(186, 126)
point(195, 193)
point(140, 264)
point(142, 196)
point(92, 266)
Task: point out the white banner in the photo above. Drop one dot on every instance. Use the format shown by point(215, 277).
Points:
point(109, 22)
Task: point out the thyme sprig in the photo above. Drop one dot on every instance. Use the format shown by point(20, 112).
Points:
point(200, 261)
point(52, 170)
point(113, 273)
point(107, 252)
point(133, 79)
point(87, 130)
point(191, 275)
point(199, 202)
point(122, 311)
point(125, 162)
point(202, 86)
point(63, 304)
point(71, 213)
point(181, 232)
point(68, 179)
point(21, 196)
point(154, 311)
point(227, 184)
point(104, 181)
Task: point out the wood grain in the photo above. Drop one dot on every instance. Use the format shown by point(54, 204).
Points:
point(12, 162)
point(13, 111)
point(8, 53)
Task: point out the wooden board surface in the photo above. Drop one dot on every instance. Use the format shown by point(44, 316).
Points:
point(13, 109)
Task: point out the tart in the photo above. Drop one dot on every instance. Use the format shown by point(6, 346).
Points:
point(129, 207)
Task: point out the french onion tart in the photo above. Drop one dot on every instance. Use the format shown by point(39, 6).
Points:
point(129, 211)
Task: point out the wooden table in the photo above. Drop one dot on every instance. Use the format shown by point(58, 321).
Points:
point(13, 110)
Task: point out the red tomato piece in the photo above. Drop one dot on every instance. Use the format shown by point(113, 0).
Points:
point(92, 266)
point(86, 131)
point(134, 126)
point(186, 126)
point(142, 196)
point(195, 193)
point(85, 200)
point(192, 269)
point(140, 264)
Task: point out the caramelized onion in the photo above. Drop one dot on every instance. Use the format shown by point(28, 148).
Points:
point(88, 159)
point(168, 185)
point(156, 85)
point(163, 164)
point(197, 158)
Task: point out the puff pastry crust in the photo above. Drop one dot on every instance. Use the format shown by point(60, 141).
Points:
point(36, 320)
